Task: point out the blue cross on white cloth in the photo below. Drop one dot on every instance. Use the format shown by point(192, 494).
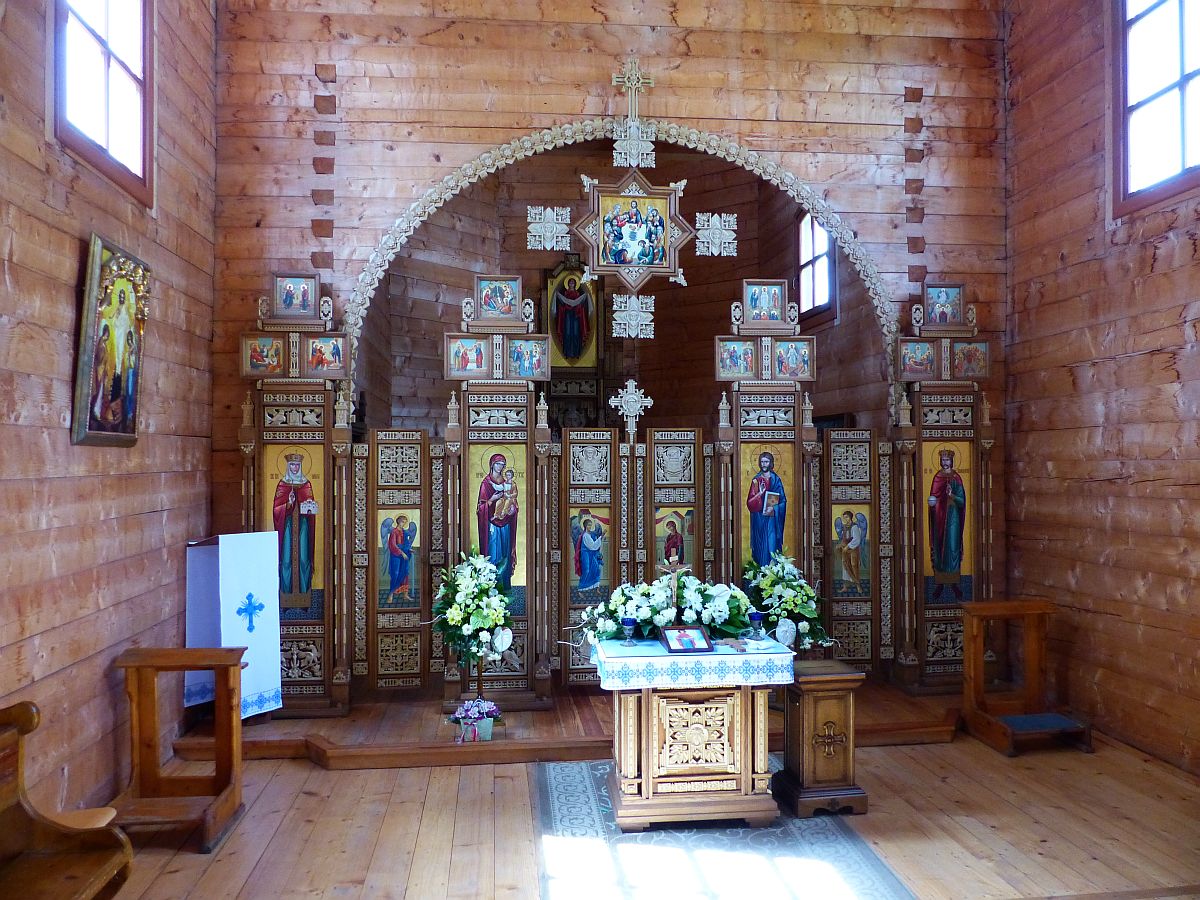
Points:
point(250, 608)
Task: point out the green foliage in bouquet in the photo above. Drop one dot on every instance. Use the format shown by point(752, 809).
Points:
point(779, 591)
point(468, 609)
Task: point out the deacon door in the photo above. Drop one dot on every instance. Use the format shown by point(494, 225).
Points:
point(591, 531)
point(858, 576)
point(677, 515)
point(393, 572)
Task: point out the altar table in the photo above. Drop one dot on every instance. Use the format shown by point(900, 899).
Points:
point(690, 738)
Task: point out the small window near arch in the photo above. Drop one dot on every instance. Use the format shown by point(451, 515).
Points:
point(816, 273)
point(103, 88)
point(1156, 83)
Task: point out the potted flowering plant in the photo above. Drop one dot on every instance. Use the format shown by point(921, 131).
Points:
point(471, 614)
point(779, 591)
point(474, 719)
point(682, 600)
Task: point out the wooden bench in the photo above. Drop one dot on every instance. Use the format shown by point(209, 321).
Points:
point(70, 855)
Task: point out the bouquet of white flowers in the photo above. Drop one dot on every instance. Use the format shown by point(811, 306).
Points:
point(778, 590)
point(471, 614)
point(721, 608)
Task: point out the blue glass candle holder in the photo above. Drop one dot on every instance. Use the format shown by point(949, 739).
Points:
point(628, 623)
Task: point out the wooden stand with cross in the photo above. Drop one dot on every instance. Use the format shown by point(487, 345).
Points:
point(818, 740)
point(1004, 721)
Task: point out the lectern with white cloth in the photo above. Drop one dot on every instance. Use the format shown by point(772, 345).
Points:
point(690, 738)
point(233, 601)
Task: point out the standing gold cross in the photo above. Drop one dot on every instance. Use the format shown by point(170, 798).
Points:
point(632, 81)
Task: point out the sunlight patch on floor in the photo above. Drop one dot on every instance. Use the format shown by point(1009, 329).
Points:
point(583, 867)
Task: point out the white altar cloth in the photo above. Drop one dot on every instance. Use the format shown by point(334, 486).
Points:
point(649, 665)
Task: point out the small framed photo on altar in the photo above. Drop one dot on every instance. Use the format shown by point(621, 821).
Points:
point(944, 304)
point(737, 358)
point(917, 359)
point(323, 356)
point(498, 299)
point(685, 639)
point(527, 357)
point(793, 359)
point(296, 298)
point(468, 356)
point(264, 355)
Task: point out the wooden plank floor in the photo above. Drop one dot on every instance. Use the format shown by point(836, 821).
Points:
point(952, 820)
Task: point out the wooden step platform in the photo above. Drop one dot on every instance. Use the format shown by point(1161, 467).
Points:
point(415, 733)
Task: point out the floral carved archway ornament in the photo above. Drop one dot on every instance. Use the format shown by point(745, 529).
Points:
point(569, 133)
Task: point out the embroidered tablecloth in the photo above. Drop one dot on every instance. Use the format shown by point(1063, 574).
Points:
point(649, 665)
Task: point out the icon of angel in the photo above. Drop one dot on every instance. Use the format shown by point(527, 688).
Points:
point(851, 528)
point(398, 537)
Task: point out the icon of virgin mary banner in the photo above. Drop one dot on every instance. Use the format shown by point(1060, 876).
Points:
point(500, 491)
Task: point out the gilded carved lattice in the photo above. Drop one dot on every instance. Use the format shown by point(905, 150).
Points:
point(301, 660)
point(674, 464)
point(591, 463)
point(512, 660)
point(849, 462)
point(754, 417)
point(399, 464)
point(943, 640)
point(399, 654)
point(697, 736)
point(854, 638)
point(293, 416)
point(496, 417)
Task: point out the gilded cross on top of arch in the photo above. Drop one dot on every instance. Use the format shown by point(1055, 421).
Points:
point(633, 139)
point(632, 81)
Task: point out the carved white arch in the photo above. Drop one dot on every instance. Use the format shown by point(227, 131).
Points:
point(596, 129)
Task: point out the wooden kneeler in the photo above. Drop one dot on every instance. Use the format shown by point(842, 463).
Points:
point(212, 802)
point(1006, 722)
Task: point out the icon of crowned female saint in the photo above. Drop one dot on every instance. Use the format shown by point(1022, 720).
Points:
point(496, 515)
point(294, 514)
point(767, 504)
point(947, 518)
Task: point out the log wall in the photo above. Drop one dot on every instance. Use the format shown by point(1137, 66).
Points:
point(400, 98)
point(92, 548)
point(1103, 411)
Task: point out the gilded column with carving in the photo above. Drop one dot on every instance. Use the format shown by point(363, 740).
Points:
point(452, 679)
point(543, 596)
point(248, 443)
point(724, 512)
point(341, 594)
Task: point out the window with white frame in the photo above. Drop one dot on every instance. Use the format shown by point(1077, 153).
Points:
point(1157, 113)
point(103, 108)
point(816, 289)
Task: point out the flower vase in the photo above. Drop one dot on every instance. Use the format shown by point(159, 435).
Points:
point(469, 732)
